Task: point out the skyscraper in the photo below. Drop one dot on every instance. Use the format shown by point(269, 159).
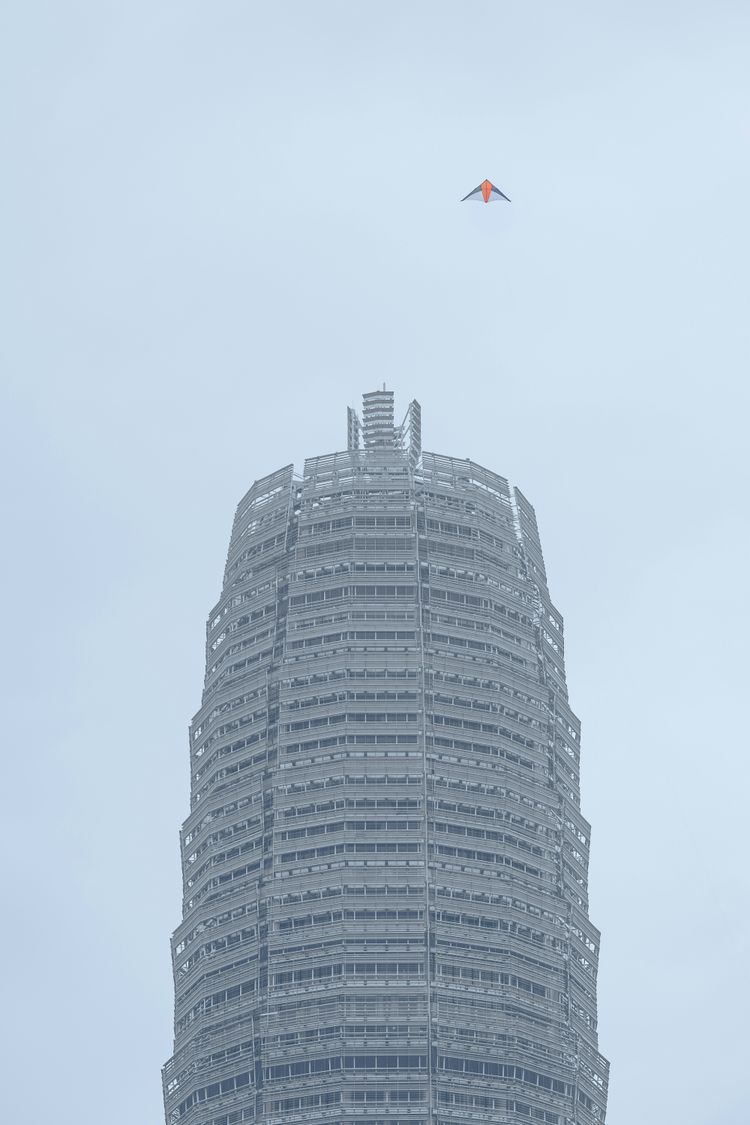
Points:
point(385, 914)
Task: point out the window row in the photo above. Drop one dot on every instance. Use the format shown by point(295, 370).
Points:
point(509, 1105)
point(353, 717)
point(214, 1090)
point(351, 546)
point(352, 635)
point(351, 779)
point(349, 803)
point(410, 969)
point(504, 1070)
point(407, 567)
point(351, 696)
point(239, 828)
point(330, 916)
point(490, 976)
point(392, 590)
point(364, 848)
point(351, 825)
point(321, 527)
point(336, 1063)
point(377, 890)
point(353, 740)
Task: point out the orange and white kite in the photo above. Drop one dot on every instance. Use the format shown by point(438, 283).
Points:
point(486, 192)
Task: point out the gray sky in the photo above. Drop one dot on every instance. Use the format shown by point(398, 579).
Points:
point(220, 224)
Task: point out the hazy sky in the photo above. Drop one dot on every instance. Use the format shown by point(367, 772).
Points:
point(220, 224)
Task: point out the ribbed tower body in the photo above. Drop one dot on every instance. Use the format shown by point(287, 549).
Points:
point(385, 914)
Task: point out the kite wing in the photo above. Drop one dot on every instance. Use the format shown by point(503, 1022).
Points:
point(487, 193)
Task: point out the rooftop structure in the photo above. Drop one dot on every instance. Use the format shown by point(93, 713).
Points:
point(385, 915)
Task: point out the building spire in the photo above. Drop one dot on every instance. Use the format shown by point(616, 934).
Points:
point(377, 429)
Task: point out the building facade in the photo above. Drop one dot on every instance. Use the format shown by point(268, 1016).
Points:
point(385, 914)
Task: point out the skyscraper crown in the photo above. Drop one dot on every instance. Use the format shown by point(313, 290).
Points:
point(377, 430)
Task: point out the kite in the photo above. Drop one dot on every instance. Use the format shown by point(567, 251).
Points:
point(486, 191)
